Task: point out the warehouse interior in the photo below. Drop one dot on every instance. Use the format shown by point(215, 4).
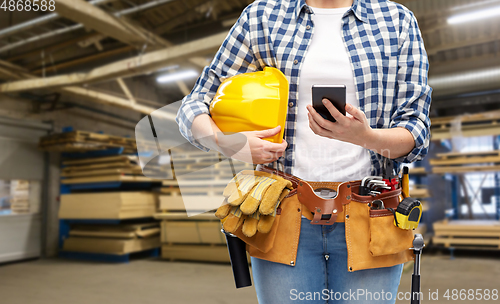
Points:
point(81, 219)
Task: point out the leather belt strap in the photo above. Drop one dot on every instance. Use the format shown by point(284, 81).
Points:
point(322, 185)
point(325, 211)
point(328, 211)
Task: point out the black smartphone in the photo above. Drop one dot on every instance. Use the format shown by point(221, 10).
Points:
point(336, 94)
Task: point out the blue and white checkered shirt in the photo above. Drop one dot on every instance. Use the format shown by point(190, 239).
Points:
point(387, 56)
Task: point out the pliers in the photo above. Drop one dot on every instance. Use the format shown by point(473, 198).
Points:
point(387, 175)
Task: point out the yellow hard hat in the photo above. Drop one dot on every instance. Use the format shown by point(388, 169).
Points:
point(252, 102)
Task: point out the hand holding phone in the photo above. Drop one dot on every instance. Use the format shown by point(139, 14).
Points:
point(336, 94)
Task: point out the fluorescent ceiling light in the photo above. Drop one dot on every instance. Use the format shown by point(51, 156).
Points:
point(473, 16)
point(177, 76)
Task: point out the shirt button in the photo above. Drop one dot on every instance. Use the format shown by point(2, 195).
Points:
point(295, 61)
point(308, 27)
point(290, 104)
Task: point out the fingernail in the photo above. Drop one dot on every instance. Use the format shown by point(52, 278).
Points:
point(348, 106)
point(324, 101)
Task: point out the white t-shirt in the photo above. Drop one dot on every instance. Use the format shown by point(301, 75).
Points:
point(327, 62)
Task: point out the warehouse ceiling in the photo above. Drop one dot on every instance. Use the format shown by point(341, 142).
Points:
point(96, 55)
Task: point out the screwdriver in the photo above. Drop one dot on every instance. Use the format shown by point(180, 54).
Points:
point(405, 182)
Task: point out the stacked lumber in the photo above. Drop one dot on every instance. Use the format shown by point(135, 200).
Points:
point(113, 239)
point(418, 171)
point(19, 196)
point(107, 205)
point(196, 238)
point(200, 180)
point(480, 124)
point(484, 161)
point(188, 231)
point(79, 141)
point(118, 168)
point(421, 192)
point(203, 165)
point(477, 234)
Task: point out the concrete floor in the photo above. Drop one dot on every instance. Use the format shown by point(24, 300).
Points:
point(57, 281)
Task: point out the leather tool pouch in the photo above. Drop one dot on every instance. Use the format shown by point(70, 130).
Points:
point(373, 241)
point(286, 213)
point(262, 241)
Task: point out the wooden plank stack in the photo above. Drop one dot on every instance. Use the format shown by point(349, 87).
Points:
point(19, 196)
point(118, 168)
point(203, 177)
point(197, 238)
point(480, 124)
point(421, 193)
point(107, 205)
point(484, 161)
point(418, 171)
point(473, 234)
point(78, 141)
point(113, 239)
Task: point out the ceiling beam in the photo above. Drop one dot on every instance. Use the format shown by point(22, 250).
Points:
point(103, 98)
point(9, 71)
point(84, 60)
point(51, 48)
point(460, 65)
point(97, 19)
point(124, 68)
point(90, 95)
point(6, 74)
point(461, 44)
point(126, 90)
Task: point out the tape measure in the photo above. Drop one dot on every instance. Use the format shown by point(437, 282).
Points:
point(408, 214)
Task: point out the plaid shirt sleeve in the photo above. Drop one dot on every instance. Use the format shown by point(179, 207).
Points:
point(233, 57)
point(413, 93)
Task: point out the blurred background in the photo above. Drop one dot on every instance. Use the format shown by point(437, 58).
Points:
point(80, 222)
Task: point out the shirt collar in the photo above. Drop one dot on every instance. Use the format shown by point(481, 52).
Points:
point(358, 8)
point(299, 6)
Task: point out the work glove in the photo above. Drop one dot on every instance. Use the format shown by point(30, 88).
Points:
point(251, 201)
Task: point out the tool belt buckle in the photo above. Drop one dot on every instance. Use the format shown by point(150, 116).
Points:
point(325, 210)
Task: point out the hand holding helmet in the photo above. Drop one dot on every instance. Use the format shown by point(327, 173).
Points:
point(255, 149)
point(254, 105)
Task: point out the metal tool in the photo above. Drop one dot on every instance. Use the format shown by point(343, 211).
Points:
point(405, 182)
point(418, 245)
point(363, 189)
point(377, 205)
point(388, 174)
point(375, 184)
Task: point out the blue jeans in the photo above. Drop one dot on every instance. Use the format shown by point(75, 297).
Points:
point(321, 275)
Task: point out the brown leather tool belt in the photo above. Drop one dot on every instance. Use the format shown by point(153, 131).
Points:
point(323, 211)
